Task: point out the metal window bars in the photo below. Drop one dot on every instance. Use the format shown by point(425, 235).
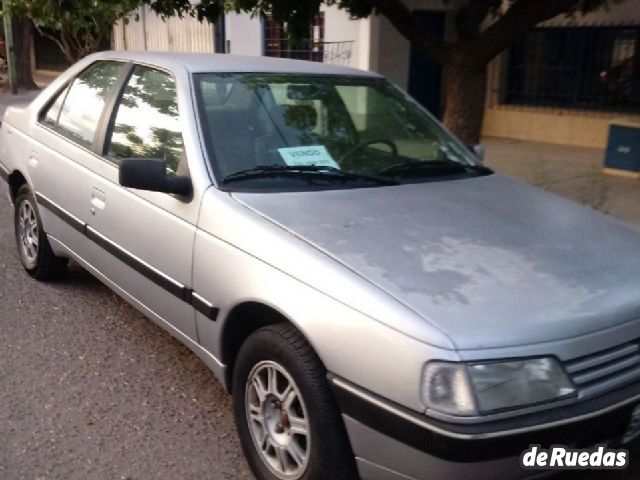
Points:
point(588, 68)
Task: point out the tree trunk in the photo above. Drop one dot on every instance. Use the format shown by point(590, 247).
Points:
point(23, 38)
point(465, 94)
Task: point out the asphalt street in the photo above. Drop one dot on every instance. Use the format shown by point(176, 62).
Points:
point(91, 390)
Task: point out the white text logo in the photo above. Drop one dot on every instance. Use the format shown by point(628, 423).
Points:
point(563, 458)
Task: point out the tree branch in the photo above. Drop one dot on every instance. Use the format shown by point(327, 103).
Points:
point(53, 38)
point(410, 28)
point(96, 42)
point(469, 18)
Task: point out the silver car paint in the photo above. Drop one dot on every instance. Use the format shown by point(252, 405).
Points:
point(314, 277)
point(445, 270)
point(383, 458)
point(156, 228)
point(342, 315)
point(487, 260)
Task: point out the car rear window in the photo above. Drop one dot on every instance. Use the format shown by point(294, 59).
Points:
point(76, 114)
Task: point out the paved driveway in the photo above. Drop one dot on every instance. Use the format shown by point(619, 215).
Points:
point(91, 390)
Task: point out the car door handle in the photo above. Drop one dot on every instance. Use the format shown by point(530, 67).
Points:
point(33, 159)
point(98, 200)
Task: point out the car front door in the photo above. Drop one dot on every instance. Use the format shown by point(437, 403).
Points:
point(146, 238)
point(62, 154)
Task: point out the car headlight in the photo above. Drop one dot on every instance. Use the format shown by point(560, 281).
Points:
point(481, 388)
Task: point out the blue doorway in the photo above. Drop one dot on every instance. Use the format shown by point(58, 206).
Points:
point(425, 76)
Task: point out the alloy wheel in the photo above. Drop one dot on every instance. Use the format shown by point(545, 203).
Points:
point(278, 420)
point(28, 232)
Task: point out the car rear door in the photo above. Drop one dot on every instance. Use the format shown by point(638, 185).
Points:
point(146, 238)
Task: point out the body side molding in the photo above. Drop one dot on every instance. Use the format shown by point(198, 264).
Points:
point(183, 292)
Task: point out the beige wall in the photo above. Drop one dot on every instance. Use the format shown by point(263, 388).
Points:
point(563, 126)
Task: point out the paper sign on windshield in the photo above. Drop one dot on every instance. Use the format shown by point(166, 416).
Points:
point(312, 155)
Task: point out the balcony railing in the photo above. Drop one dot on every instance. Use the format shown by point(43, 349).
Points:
point(335, 53)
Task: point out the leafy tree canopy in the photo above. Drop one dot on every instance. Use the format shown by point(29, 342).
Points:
point(507, 18)
point(483, 28)
point(78, 27)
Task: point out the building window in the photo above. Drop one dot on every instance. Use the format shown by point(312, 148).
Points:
point(278, 44)
point(590, 68)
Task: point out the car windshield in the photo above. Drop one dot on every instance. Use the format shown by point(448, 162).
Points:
point(287, 131)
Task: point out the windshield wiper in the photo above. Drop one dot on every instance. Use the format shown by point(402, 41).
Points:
point(431, 168)
point(307, 171)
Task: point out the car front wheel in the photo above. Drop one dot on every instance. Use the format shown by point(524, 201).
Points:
point(289, 425)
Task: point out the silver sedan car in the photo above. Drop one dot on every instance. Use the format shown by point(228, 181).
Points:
point(378, 303)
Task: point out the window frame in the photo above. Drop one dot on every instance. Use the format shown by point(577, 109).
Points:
point(593, 41)
point(98, 138)
point(274, 39)
point(107, 118)
point(62, 91)
point(110, 121)
point(206, 140)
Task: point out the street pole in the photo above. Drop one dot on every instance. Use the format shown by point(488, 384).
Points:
point(9, 47)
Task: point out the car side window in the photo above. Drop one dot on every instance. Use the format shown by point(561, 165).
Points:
point(50, 116)
point(83, 104)
point(147, 122)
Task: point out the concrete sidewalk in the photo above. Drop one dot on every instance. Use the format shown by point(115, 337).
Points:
point(22, 98)
point(571, 172)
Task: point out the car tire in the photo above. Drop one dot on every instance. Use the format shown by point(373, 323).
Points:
point(34, 249)
point(301, 400)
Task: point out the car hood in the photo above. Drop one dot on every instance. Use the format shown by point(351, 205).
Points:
point(488, 260)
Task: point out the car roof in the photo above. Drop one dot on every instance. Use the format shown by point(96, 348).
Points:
point(211, 62)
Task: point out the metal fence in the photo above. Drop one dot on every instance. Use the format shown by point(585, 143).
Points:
point(300, 49)
point(590, 68)
point(338, 53)
point(335, 53)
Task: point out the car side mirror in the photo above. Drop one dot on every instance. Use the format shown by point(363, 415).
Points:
point(151, 174)
point(478, 151)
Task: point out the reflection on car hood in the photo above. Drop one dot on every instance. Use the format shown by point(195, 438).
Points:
point(490, 261)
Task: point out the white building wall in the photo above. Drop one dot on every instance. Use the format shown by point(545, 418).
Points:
point(347, 41)
point(244, 34)
point(146, 31)
point(390, 51)
point(368, 44)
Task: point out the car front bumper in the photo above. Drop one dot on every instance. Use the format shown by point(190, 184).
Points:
point(391, 442)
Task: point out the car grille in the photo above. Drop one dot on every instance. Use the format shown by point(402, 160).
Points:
point(606, 370)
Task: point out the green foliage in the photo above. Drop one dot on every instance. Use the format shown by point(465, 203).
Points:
point(296, 13)
point(81, 25)
point(77, 26)
point(204, 10)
